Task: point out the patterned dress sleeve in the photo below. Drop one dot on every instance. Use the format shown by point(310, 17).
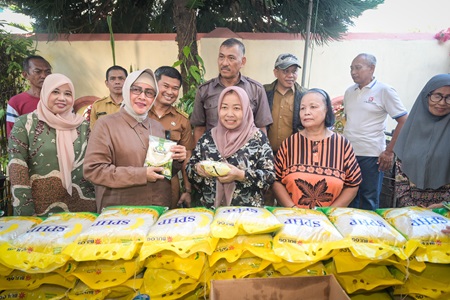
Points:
point(23, 204)
point(261, 172)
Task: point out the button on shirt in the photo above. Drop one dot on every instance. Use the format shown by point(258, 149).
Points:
point(282, 115)
point(207, 98)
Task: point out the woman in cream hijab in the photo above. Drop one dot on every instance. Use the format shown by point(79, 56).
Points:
point(118, 146)
point(46, 152)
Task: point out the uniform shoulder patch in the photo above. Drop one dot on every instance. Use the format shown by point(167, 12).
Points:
point(182, 112)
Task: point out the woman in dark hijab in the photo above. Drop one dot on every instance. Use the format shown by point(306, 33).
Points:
point(422, 148)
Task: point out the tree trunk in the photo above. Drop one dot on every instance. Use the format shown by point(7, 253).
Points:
point(185, 23)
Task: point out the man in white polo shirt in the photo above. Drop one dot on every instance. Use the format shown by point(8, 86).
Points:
point(367, 104)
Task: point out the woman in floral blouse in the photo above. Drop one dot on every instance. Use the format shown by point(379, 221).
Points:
point(46, 152)
point(243, 147)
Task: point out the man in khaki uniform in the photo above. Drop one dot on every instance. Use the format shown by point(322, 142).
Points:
point(115, 77)
point(176, 123)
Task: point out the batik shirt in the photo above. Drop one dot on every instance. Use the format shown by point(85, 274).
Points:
point(255, 157)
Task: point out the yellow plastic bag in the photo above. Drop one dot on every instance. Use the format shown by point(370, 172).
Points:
point(82, 292)
point(433, 282)
point(371, 236)
point(241, 268)
point(13, 226)
point(47, 292)
point(184, 231)
point(255, 245)
point(40, 249)
point(28, 281)
point(103, 274)
point(117, 233)
point(192, 265)
point(230, 221)
point(425, 227)
point(371, 278)
point(307, 235)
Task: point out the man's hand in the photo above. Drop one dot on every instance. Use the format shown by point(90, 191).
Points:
point(179, 152)
point(385, 161)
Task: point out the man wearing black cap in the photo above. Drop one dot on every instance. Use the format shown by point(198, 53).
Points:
point(284, 99)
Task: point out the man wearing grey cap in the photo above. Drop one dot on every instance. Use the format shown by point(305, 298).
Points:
point(284, 99)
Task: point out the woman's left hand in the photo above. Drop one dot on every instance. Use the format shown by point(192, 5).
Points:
point(235, 174)
point(179, 152)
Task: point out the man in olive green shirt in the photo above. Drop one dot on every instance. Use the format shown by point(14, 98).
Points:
point(284, 100)
point(115, 77)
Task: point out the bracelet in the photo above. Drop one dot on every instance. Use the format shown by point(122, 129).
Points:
point(187, 191)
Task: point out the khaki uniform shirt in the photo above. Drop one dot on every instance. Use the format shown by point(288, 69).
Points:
point(177, 126)
point(207, 98)
point(282, 114)
point(103, 107)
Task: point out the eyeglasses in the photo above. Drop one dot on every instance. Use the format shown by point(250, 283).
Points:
point(149, 93)
point(437, 97)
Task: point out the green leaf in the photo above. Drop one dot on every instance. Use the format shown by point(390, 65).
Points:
point(177, 63)
point(186, 51)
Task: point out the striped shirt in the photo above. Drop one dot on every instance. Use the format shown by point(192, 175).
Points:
point(315, 172)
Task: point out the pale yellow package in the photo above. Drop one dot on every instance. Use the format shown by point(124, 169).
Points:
point(255, 245)
point(127, 290)
point(241, 268)
point(433, 282)
point(117, 233)
point(371, 278)
point(82, 292)
point(371, 236)
point(103, 274)
point(192, 265)
point(230, 221)
point(215, 168)
point(423, 226)
point(40, 249)
point(29, 281)
point(184, 231)
point(13, 226)
point(46, 291)
point(306, 235)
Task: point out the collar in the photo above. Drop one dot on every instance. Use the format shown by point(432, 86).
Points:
point(241, 79)
point(369, 85)
point(171, 110)
point(132, 122)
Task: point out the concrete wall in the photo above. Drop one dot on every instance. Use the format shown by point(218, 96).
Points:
point(405, 61)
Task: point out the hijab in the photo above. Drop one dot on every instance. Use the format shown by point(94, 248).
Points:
point(228, 141)
point(424, 141)
point(142, 76)
point(65, 125)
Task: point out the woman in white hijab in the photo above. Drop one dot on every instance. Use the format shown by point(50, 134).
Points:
point(118, 146)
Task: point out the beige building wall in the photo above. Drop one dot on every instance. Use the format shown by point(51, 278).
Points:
point(405, 61)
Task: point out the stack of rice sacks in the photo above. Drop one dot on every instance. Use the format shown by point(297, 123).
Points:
point(32, 262)
point(175, 254)
point(423, 226)
point(107, 253)
point(382, 253)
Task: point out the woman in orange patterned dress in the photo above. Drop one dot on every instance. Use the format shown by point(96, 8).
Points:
point(315, 166)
